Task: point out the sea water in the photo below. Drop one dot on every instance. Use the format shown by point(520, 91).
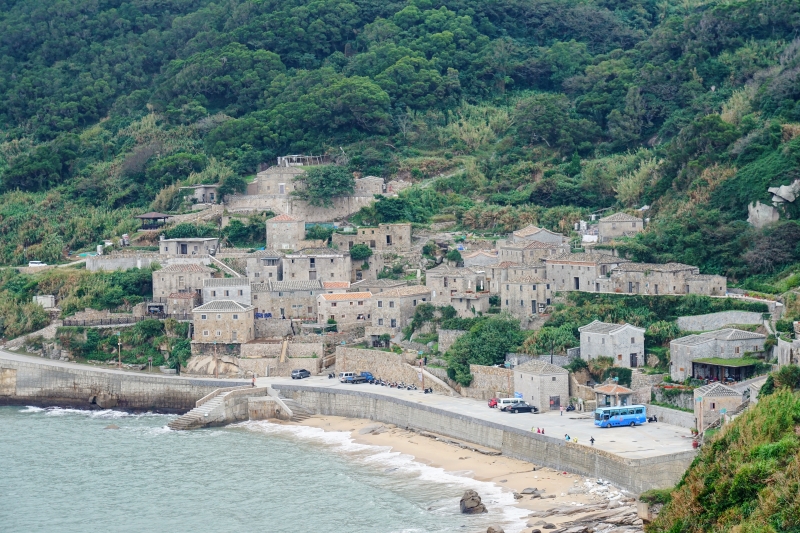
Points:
point(62, 471)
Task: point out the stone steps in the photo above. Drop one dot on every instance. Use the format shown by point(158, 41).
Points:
point(299, 413)
point(196, 417)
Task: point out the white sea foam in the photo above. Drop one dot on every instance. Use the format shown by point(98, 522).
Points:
point(31, 409)
point(493, 496)
point(103, 414)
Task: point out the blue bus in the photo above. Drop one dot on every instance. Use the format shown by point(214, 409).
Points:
point(620, 415)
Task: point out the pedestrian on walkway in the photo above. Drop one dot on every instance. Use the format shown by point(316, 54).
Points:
point(562, 410)
point(566, 437)
point(542, 431)
point(591, 439)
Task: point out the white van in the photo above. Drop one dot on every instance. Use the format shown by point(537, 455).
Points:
point(502, 402)
point(36, 264)
point(344, 376)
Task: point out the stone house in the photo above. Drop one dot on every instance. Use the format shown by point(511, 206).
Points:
point(445, 281)
point(713, 401)
point(275, 181)
point(236, 289)
point(368, 186)
point(788, 351)
point(285, 233)
point(622, 342)
point(721, 355)
point(392, 310)
point(479, 258)
point(310, 264)
point(264, 266)
point(223, 322)
point(526, 252)
point(287, 299)
point(618, 225)
point(612, 395)
point(667, 278)
point(349, 308)
point(525, 296)
point(180, 278)
point(496, 274)
point(202, 194)
point(377, 285)
point(182, 303)
point(468, 304)
point(384, 238)
point(532, 233)
point(188, 247)
point(543, 385)
point(580, 272)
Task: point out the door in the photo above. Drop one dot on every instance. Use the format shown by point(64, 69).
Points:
point(634, 360)
point(533, 306)
point(555, 403)
point(184, 249)
point(577, 282)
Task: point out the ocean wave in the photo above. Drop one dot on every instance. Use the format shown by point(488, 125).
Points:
point(31, 409)
point(104, 414)
point(496, 498)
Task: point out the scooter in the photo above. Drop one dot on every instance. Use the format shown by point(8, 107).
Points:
point(570, 407)
point(652, 419)
point(331, 376)
point(429, 391)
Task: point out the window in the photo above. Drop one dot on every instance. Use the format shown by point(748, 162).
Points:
point(633, 340)
point(236, 317)
point(205, 333)
point(255, 297)
point(554, 378)
point(241, 292)
point(380, 321)
point(202, 317)
point(332, 317)
point(619, 357)
point(227, 293)
point(219, 333)
point(737, 350)
point(391, 303)
point(219, 316)
point(548, 286)
point(233, 338)
point(602, 341)
point(414, 303)
point(333, 304)
point(213, 293)
point(506, 301)
point(394, 323)
point(713, 406)
point(380, 303)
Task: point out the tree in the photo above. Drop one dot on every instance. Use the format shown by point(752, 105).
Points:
point(360, 252)
point(487, 343)
point(454, 255)
point(320, 185)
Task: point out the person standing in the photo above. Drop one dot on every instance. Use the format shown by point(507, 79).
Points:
point(562, 410)
point(591, 439)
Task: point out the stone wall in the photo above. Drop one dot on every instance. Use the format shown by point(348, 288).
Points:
point(683, 398)
point(298, 209)
point(121, 262)
point(296, 349)
point(635, 475)
point(489, 382)
point(272, 327)
point(447, 337)
point(385, 365)
point(30, 381)
point(672, 416)
point(714, 321)
point(271, 366)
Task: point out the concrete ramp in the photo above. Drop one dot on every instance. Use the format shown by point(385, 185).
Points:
point(284, 348)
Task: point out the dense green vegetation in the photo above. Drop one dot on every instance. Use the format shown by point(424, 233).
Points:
point(531, 112)
point(747, 476)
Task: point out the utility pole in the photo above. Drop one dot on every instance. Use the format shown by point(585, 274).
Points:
point(216, 369)
point(119, 350)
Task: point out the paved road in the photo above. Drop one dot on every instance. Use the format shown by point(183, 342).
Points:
point(649, 440)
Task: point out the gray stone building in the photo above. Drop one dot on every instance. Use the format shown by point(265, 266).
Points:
point(496, 274)
point(376, 285)
point(264, 265)
point(667, 278)
point(526, 252)
point(525, 296)
point(532, 233)
point(317, 263)
point(275, 181)
point(287, 299)
point(223, 322)
point(721, 355)
point(384, 238)
point(180, 278)
point(235, 289)
point(581, 272)
point(347, 309)
point(469, 304)
point(188, 247)
point(479, 258)
point(368, 186)
point(182, 303)
point(393, 309)
point(618, 225)
point(202, 194)
point(622, 342)
point(713, 401)
point(612, 395)
point(285, 233)
point(543, 385)
point(445, 281)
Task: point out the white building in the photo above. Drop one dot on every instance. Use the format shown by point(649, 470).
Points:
point(622, 342)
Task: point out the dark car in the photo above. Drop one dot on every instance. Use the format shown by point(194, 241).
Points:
point(520, 407)
point(300, 373)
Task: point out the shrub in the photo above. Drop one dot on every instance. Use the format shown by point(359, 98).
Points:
point(359, 252)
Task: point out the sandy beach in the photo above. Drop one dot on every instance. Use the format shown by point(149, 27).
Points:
point(565, 502)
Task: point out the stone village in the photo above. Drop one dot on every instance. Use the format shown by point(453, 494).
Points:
point(303, 303)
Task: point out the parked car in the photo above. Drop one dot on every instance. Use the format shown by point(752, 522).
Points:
point(493, 402)
point(520, 407)
point(503, 402)
point(346, 376)
point(300, 373)
point(36, 264)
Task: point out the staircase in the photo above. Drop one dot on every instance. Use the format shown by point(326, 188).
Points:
point(299, 412)
point(198, 417)
point(224, 267)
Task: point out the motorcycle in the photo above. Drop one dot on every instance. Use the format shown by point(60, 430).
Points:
point(429, 391)
point(652, 419)
point(331, 376)
point(570, 407)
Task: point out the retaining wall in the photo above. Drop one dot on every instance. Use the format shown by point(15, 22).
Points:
point(714, 321)
point(110, 262)
point(385, 365)
point(672, 416)
point(635, 475)
point(53, 383)
point(447, 337)
point(273, 349)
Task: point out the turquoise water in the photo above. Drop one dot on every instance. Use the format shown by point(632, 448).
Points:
point(61, 471)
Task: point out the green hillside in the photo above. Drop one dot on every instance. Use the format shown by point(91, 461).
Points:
point(532, 111)
point(747, 478)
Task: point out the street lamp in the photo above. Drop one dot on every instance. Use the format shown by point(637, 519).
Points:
point(216, 369)
point(119, 350)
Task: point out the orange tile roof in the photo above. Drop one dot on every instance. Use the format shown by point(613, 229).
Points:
point(336, 284)
point(347, 296)
point(613, 389)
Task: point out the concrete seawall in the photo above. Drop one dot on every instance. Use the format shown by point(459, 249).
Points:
point(635, 475)
point(31, 381)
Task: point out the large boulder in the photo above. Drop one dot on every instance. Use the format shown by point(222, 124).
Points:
point(495, 529)
point(471, 503)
